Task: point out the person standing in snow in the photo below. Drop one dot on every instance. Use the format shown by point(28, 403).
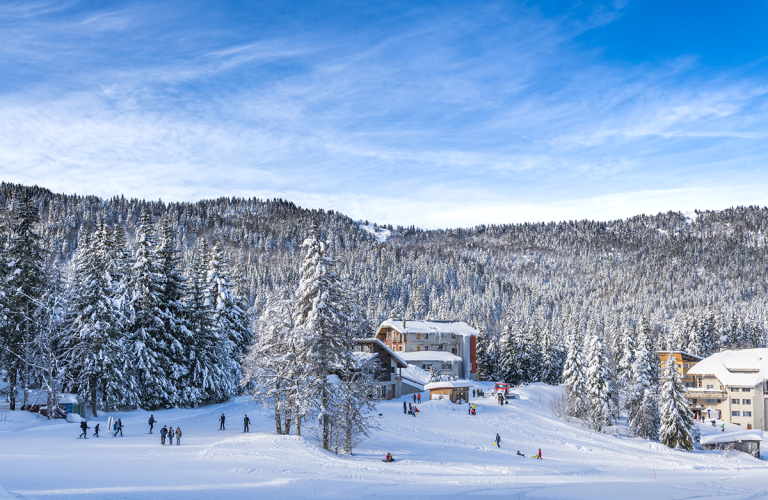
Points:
point(84, 427)
point(163, 433)
point(119, 427)
point(221, 427)
point(498, 440)
point(151, 423)
point(419, 398)
point(246, 421)
point(414, 398)
point(178, 436)
point(170, 436)
point(405, 408)
point(96, 430)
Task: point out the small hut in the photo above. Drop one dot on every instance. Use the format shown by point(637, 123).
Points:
point(746, 441)
point(455, 390)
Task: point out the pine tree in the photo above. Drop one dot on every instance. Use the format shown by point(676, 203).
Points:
point(485, 356)
point(574, 379)
point(678, 430)
point(598, 386)
point(320, 307)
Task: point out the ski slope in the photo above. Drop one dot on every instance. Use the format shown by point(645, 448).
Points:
point(442, 453)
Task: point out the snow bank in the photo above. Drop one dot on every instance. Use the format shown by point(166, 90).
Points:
point(381, 234)
point(730, 437)
point(415, 373)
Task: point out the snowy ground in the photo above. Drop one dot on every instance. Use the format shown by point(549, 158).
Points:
point(442, 453)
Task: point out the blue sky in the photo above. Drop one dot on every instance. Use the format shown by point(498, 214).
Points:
point(438, 114)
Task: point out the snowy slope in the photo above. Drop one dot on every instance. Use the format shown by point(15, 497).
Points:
point(442, 453)
point(381, 234)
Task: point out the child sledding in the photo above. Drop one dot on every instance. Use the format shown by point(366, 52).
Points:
point(389, 458)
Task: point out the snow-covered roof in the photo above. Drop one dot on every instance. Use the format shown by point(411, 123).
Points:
point(681, 352)
point(429, 356)
point(730, 437)
point(364, 357)
point(747, 367)
point(448, 384)
point(413, 326)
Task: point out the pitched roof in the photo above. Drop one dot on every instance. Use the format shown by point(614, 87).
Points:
point(730, 437)
point(432, 326)
point(401, 363)
point(448, 384)
point(747, 367)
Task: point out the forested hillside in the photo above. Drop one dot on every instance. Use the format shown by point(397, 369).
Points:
point(699, 278)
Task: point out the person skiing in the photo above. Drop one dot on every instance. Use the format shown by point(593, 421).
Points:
point(498, 440)
point(163, 433)
point(170, 436)
point(246, 421)
point(84, 427)
point(151, 423)
point(178, 436)
point(221, 427)
point(96, 430)
point(418, 397)
point(405, 408)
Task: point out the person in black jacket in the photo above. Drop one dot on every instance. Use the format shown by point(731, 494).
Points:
point(163, 433)
point(84, 427)
point(96, 430)
point(246, 421)
point(221, 427)
point(405, 408)
point(498, 440)
point(170, 436)
point(151, 423)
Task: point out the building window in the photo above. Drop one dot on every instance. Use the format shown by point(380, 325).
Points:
point(710, 387)
point(439, 347)
point(746, 389)
point(453, 350)
point(746, 401)
point(734, 389)
point(685, 365)
point(747, 413)
point(735, 414)
point(418, 347)
point(446, 366)
point(693, 401)
point(426, 347)
point(401, 348)
point(719, 401)
point(710, 401)
point(453, 335)
point(734, 401)
point(418, 336)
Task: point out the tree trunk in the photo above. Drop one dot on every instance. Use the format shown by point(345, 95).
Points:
point(12, 391)
point(94, 399)
point(277, 421)
point(326, 430)
point(287, 428)
point(298, 423)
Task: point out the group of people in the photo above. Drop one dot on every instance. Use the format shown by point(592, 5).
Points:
point(246, 422)
point(166, 432)
point(497, 442)
point(117, 427)
point(473, 409)
point(410, 409)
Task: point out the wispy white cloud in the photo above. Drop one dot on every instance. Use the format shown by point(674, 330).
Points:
point(496, 111)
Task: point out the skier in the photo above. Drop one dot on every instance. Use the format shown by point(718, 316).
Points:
point(84, 427)
point(151, 423)
point(163, 433)
point(418, 397)
point(221, 427)
point(246, 421)
point(405, 408)
point(498, 440)
point(170, 436)
point(96, 430)
point(178, 436)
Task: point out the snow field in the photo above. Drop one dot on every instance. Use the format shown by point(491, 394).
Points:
point(442, 453)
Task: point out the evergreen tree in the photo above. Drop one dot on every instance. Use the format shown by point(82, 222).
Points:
point(598, 386)
point(574, 379)
point(485, 356)
point(678, 430)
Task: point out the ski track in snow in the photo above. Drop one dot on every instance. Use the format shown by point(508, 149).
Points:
point(442, 453)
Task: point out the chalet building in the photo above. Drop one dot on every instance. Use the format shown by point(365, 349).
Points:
point(388, 368)
point(457, 391)
point(733, 384)
point(684, 361)
point(451, 337)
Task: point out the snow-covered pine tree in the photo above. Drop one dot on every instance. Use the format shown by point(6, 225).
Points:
point(24, 286)
point(230, 320)
point(485, 355)
point(174, 335)
point(320, 308)
point(147, 351)
point(598, 385)
point(574, 379)
point(678, 430)
point(96, 356)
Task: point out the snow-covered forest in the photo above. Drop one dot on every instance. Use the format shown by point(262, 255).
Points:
point(698, 279)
